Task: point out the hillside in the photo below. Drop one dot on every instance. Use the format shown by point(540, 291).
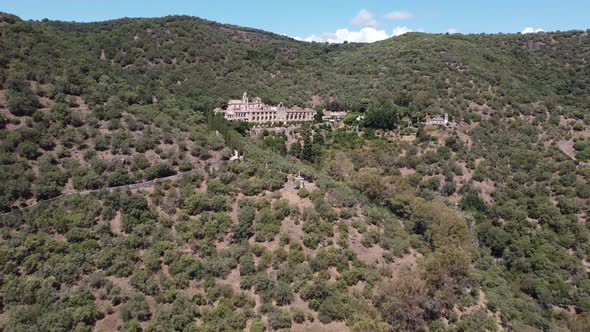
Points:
point(121, 209)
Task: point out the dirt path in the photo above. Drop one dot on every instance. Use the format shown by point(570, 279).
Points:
point(234, 209)
point(111, 189)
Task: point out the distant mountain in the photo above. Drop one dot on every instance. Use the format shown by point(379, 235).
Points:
point(181, 56)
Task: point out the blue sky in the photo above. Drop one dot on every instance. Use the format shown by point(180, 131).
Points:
point(332, 20)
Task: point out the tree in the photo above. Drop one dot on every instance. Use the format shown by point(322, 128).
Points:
point(135, 308)
point(319, 113)
point(341, 166)
point(370, 182)
point(403, 99)
point(441, 226)
point(307, 151)
point(446, 273)
point(21, 100)
point(381, 117)
point(49, 185)
point(295, 149)
point(402, 301)
point(28, 150)
point(279, 319)
point(283, 294)
point(471, 201)
point(159, 171)
point(247, 265)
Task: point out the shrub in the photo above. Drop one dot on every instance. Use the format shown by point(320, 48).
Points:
point(159, 171)
point(243, 230)
point(199, 202)
point(28, 150)
point(257, 326)
point(49, 185)
point(140, 162)
point(303, 193)
point(283, 294)
point(267, 226)
point(22, 103)
point(279, 319)
point(298, 316)
point(135, 308)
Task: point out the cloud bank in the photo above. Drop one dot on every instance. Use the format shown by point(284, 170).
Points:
point(532, 30)
point(364, 35)
point(368, 32)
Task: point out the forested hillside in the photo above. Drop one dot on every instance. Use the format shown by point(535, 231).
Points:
point(121, 210)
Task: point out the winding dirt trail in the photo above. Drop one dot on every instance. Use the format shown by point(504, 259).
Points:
point(111, 189)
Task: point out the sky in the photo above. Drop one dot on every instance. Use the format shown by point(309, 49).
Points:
point(332, 20)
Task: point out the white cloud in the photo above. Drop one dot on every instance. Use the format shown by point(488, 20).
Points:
point(532, 30)
point(364, 35)
point(397, 15)
point(364, 18)
point(398, 31)
point(452, 30)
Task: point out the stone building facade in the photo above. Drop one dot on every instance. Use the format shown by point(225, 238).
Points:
point(256, 111)
point(444, 121)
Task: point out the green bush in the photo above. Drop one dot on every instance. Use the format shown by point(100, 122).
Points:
point(159, 171)
point(135, 308)
point(279, 319)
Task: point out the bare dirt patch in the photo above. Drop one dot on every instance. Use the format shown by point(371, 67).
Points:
point(123, 283)
point(46, 103)
point(289, 192)
point(372, 255)
point(9, 116)
point(116, 224)
point(108, 323)
point(270, 245)
point(294, 231)
point(567, 147)
point(465, 138)
point(319, 326)
point(405, 171)
point(409, 260)
point(298, 303)
point(408, 138)
point(316, 100)
point(487, 188)
point(232, 280)
point(82, 107)
point(59, 237)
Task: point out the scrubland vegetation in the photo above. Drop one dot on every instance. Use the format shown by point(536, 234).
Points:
point(480, 226)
